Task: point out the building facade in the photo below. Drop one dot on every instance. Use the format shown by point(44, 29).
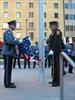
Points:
point(26, 12)
point(69, 10)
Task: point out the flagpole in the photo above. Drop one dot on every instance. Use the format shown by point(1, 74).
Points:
point(41, 40)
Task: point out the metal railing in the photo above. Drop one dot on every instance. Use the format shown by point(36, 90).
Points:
point(70, 61)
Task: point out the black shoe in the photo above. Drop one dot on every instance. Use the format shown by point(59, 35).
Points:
point(24, 67)
point(12, 83)
point(55, 84)
point(19, 67)
point(33, 67)
point(10, 86)
point(50, 82)
point(64, 73)
point(70, 72)
point(29, 67)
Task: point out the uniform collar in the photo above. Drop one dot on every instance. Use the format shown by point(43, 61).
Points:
point(10, 29)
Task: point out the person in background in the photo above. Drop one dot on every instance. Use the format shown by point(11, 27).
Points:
point(17, 56)
point(68, 50)
point(72, 56)
point(48, 59)
point(35, 51)
point(26, 62)
point(8, 53)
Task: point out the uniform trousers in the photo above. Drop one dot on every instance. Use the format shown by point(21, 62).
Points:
point(70, 67)
point(48, 61)
point(26, 62)
point(8, 69)
point(18, 59)
point(56, 69)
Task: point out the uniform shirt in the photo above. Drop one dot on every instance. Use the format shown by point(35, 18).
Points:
point(9, 42)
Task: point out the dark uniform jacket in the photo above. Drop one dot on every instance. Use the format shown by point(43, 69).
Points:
point(35, 51)
point(55, 42)
point(46, 50)
point(68, 49)
point(9, 42)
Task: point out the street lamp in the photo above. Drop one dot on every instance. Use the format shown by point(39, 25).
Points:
point(26, 26)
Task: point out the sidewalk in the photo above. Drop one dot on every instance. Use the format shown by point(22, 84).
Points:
point(30, 88)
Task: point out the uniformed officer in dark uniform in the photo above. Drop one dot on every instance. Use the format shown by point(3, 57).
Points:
point(68, 50)
point(26, 61)
point(8, 53)
point(17, 56)
point(35, 51)
point(48, 59)
point(55, 44)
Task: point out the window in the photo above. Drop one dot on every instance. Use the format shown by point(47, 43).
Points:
point(31, 24)
point(45, 34)
point(18, 26)
point(31, 14)
point(18, 14)
point(31, 5)
point(71, 28)
point(67, 27)
point(5, 4)
point(66, 16)
point(69, 5)
point(56, 15)
point(5, 25)
point(74, 17)
point(74, 28)
point(71, 16)
point(74, 5)
point(55, 5)
point(5, 14)
point(45, 25)
point(44, 14)
point(18, 4)
point(31, 35)
point(44, 3)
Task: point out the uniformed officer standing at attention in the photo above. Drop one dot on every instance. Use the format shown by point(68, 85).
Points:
point(8, 53)
point(55, 44)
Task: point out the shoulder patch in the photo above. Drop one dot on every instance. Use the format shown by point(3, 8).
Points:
point(9, 32)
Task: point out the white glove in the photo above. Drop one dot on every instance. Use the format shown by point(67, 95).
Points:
point(51, 52)
point(69, 50)
point(21, 40)
point(31, 59)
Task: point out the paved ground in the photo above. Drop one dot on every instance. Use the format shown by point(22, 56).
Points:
point(29, 87)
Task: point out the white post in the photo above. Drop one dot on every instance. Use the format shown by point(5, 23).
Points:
point(41, 39)
point(61, 78)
